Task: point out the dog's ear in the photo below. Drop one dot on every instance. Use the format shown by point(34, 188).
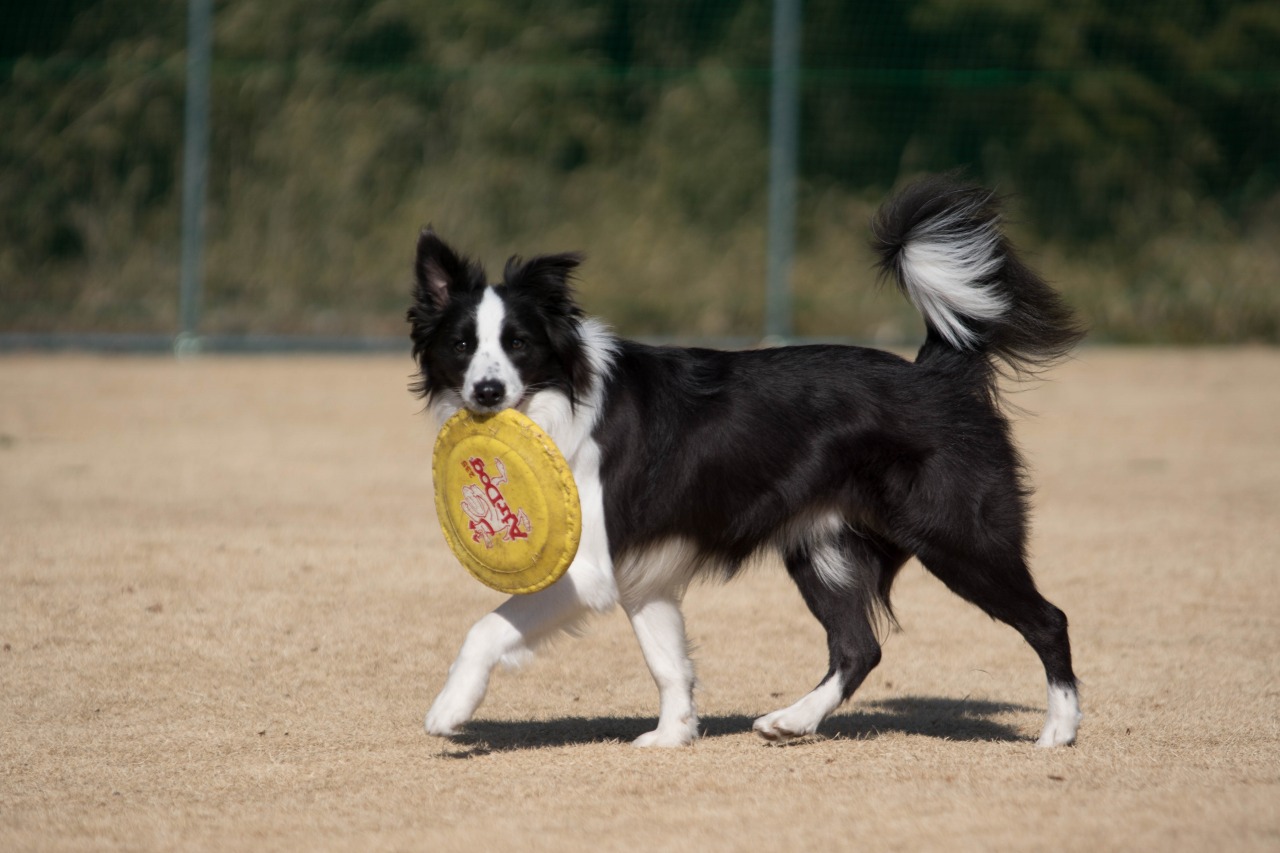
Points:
point(548, 282)
point(439, 272)
point(548, 279)
point(440, 275)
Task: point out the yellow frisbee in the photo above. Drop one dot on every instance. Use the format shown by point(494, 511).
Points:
point(506, 500)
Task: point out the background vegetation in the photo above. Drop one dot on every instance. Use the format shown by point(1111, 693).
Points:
point(1140, 144)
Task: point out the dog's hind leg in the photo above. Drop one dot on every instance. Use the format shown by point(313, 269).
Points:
point(840, 577)
point(1004, 590)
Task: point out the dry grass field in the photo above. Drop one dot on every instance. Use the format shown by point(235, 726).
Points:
point(225, 607)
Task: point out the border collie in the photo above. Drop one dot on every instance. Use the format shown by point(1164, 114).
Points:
point(845, 461)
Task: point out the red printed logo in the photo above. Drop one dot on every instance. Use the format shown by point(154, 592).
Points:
point(492, 519)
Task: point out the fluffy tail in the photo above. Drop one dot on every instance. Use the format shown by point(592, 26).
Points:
point(942, 244)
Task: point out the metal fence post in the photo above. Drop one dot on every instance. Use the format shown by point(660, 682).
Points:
point(194, 171)
point(784, 135)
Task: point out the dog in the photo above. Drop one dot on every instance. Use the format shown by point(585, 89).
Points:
point(690, 462)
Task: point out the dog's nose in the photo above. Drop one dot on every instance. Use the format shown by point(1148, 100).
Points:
point(488, 392)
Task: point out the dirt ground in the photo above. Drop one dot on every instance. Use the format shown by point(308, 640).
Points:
point(225, 607)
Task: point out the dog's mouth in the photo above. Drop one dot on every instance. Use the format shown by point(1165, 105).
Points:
point(475, 407)
point(486, 410)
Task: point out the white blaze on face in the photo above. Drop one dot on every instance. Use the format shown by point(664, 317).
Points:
point(490, 362)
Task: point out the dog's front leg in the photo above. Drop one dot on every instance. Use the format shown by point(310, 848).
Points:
point(524, 621)
point(516, 626)
point(659, 627)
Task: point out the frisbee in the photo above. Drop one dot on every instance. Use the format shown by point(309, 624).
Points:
point(506, 500)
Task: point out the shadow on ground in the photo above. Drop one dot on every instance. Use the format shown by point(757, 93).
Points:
point(928, 716)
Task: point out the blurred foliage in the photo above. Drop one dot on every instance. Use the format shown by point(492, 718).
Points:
point(1141, 143)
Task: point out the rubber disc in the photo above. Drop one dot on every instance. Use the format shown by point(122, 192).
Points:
point(506, 500)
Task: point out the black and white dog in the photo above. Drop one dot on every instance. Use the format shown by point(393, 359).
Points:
point(846, 461)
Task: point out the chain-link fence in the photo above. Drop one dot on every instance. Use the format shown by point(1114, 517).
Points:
point(1140, 145)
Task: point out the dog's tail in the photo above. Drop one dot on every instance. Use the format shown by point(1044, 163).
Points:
point(941, 242)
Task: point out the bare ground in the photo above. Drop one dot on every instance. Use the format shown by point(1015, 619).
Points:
point(225, 607)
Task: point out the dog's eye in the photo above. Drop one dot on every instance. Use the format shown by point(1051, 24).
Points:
point(516, 343)
point(460, 347)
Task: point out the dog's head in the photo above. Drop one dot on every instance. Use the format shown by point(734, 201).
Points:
point(495, 345)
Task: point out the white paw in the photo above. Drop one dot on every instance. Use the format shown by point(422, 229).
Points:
point(1059, 731)
point(804, 717)
point(785, 725)
point(1063, 719)
point(675, 736)
point(446, 717)
point(436, 725)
